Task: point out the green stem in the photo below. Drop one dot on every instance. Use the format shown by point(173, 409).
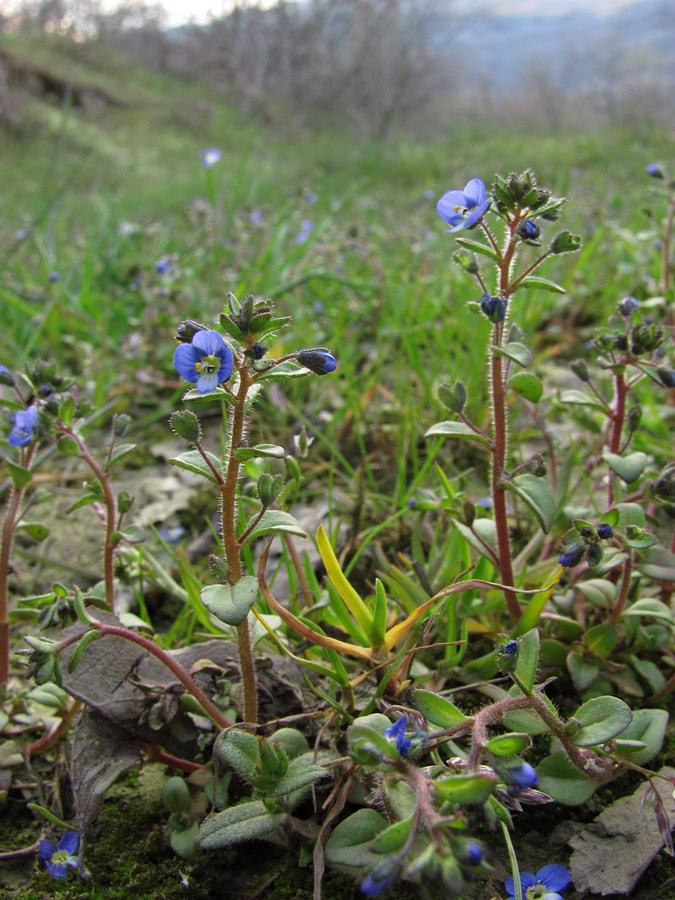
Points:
point(232, 544)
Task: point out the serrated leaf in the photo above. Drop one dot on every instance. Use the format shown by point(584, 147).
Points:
point(543, 284)
point(458, 430)
point(477, 247)
point(516, 352)
point(598, 720)
point(438, 710)
point(193, 461)
point(527, 385)
point(536, 494)
point(275, 521)
point(628, 467)
point(243, 822)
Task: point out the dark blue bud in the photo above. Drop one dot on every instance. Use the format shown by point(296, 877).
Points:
point(666, 376)
point(523, 775)
point(188, 329)
point(594, 553)
point(528, 230)
point(474, 854)
point(572, 554)
point(605, 531)
point(510, 648)
point(493, 308)
point(317, 359)
point(654, 170)
point(53, 277)
point(627, 306)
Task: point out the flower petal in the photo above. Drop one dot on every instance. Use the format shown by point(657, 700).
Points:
point(554, 877)
point(446, 207)
point(47, 849)
point(69, 842)
point(475, 192)
point(206, 383)
point(185, 359)
point(209, 343)
point(56, 870)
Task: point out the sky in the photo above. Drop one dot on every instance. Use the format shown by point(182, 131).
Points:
point(180, 11)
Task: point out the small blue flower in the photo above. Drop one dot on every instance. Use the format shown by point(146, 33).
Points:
point(53, 277)
point(306, 228)
point(162, 266)
point(545, 885)
point(493, 308)
point(528, 230)
point(523, 775)
point(256, 217)
point(572, 554)
point(58, 858)
point(464, 209)
point(654, 170)
point(207, 361)
point(627, 306)
point(209, 157)
point(25, 422)
point(311, 198)
point(397, 733)
point(317, 359)
point(381, 877)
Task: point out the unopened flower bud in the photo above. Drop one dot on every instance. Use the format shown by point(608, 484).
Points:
point(565, 242)
point(633, 418)
point(605, 531)
point(627, 306)
point(317, 360)
point(654, 170)
point(666, 376)
point(188, 329)
point(493, 308)
point(269, 488)
point(580, 370)
point(528, 230)
point(572, 554)
point(186, 425)
point(594, 554)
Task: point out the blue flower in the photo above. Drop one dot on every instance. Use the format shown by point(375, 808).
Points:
point(317, 359)
point(464, 209)
point(53, 277)
point(209, 157)
point(58, 858)
point(545, 885)
point(654, 170)
point(25, 422)
point(162, 266)
point(306, 228)
point(207, 361)
point(397, 733)
point(382, 876)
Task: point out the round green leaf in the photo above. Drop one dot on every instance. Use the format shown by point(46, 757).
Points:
point(527, 385)
point(598, 720)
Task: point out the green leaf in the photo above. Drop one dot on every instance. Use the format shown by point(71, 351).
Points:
point(438, 710)
point(526, 720)
point(580, 398)
point(133, 534)
point(301, 773)
point(624, 514)
point(193, 461)
point(238, 749)
point(648, 726)
point(184, 841)
point(463, 789)
point(598, 591)
point(485, 529)
point(514, 351)
point(219, 395)
point(275, 521)
point(86, 500)
point(534, 281)
point(649, 672)
point(231, 604)
point(598, 720)
point(82, 645)
point(535, 492)
point(650, 607)
point(35, 530)
point(629, 467)
point(477, 247)
point(119, 452)
point(284, 370)
point(561, 779)
point(243, 822)
point(601, 639)
point(527, 661)
point(393, 838)
point(582, 671)
point(19, 474)
point(349, 846)
point(527, 385)
point(260, 451)
point(509, 744)
point(458, 430)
